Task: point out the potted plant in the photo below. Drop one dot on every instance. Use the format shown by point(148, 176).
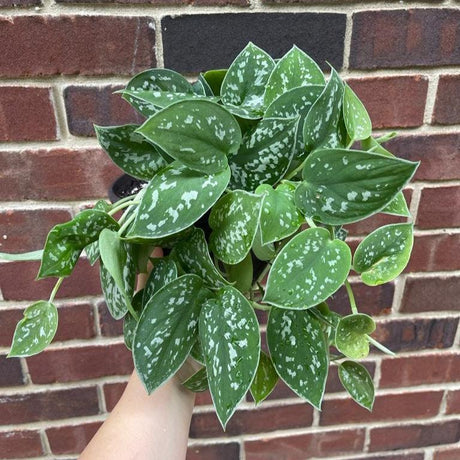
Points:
point(250, 174)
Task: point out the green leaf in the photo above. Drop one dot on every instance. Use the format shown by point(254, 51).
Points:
point(384, 254)
point(357, 121)
point(175, 199)
point(129, 322)
point(198, 382)
point(280, 217)
point(155, 80)
point(35, 331)
point(130, 151)
point(66, 241)
point(260, 250)
point(230, 338)
point(92, 250)
point(241, 274)
point(167, 330)
point(33, 255)
point(244, 84)
point(164, 271)
point(193, 255)
point(351, 335)
point(397, 206)
point(214, 79)
point(342, 186)
point(294, 69)
point(309, 269)
point(356, 380)
point(200, 134)
point(265, 154)
point(234, 221)
point(299, 352)
point(265, 379)
point(320, 127)
point(197, 351)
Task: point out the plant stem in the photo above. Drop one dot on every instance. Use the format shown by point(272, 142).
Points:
point(126, 224)
point(123, 205)
point(380, 346)
point(294, 172)
point(258, 306)
point(352, 141)
point(310, 222)
point(55, 289)
point(354, 309)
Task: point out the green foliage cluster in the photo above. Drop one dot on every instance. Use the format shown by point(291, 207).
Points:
point(275, 159)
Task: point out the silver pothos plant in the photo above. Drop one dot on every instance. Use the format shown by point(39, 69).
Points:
point(251, 173)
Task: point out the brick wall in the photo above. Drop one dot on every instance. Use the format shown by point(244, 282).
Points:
point(59, 64)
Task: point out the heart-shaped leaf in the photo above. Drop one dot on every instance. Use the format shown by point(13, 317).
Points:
point(265, 379)
point(357, 121)
point(35, 331)
point(299, 352)
point(198, 382)
point(384, 254)
point(200, 134)
point(265, 154)
point(163, 272)
point(309, 269)
point(234, 220)
point(356, 380)
point(167, 330)
point(342, 186)
point(230, 338)
point(130, 151)
point(175, 199)
point(351, 335)
point(294, 69)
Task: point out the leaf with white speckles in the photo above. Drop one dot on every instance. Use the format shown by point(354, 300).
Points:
point(265, 154)
point(356, 380)
point(294, 69)
point(129, 322)
point(167, 330)
point(234, 220)
point(351, 335)
point(356, 118)
point(193, 256)
point(35, 331)
point(320, 127)
point(199, 134)
point(66, 241)
point(299, 352)
point(92, 250)
point(197, 382)
point(175, 199)
point(384, 254)
point(265, 379)
point(230, 338)
point(130, 151)
point(280, 217)
point(244, 84)
point(342, 186)
point(155, 80)
point(163, 272)
point(397, 206)
point(308, 270)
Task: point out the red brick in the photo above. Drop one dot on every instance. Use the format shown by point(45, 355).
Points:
point(86, 105)
point(229, 451)
point(446, 453)
point(10, 372)
point(386, 407)
point(48, 405)
point(56, 174)
point(439, 155)
point(439, 208)
point(26, 114)
point(80, 363)
point(17, 281)
point(112, 394)
point(431, 294)
point(393, 102)
point(85, 45)
point(399, 456)
point(110, 327)
point(19, 3)
point(404, 38)
point(258, 420)
point(416, 333)
point(20, 444)
point(71, 439)
point(453, 402)
point(167, 2)
point(300, 447)
point(417, 435)
point(420, 370)
point(447, 105)
point(203, 398)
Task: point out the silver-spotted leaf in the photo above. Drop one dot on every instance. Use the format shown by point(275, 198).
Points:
point(92, 250)
point(342, 186)
point(265, 379)
point(356, 380)
point(197, 382)
point(229, 334)
point(175, 199)
point(163, 272)
point(309, 269)
point(260, 250)
point(384, 253)
point(199, 134)
point(234, 220)
point(167, 330)
point(351, 335)
point(129, 322)
point(357, 121)
point(397, 206)
point(298, 349)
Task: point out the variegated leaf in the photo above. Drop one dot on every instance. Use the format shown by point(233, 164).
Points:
point(351, 335)
point(163, 272)
point(265, 379)
point(197, 382)
point(129, 322)
point(356, 380)
point(357, 121)
point(397, 206)
point(92, 250)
